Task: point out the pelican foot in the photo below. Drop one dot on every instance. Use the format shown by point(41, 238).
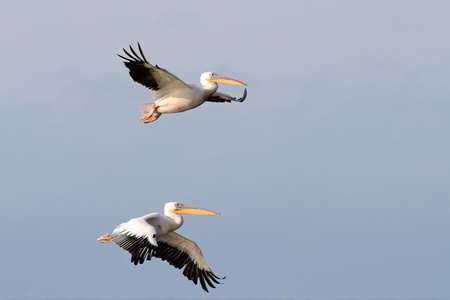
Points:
point(147, 118)
point(105, 238)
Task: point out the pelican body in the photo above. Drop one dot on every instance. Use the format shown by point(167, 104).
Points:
point(153, 235)
point(170, 93)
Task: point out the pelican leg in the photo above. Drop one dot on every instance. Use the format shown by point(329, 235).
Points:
point(105, 238)
point(148, 112)
point(152, 119)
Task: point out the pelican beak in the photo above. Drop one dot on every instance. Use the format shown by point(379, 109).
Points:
point(226, 80)
point(191, 210)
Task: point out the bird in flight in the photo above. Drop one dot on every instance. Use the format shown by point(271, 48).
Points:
point(170, 93)
point(153, 235)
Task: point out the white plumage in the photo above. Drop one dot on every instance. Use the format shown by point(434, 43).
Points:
point(153, 235)
point(170, 93)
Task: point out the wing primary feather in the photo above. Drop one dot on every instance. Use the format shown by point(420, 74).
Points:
point(206, 276)
point(202, 282)
point(123, 57)
point(185, 254)
point(244, 96)
point(139, 247)
point(142, 52)
point(214, 277)
point(131, 56)
point(135, 55)
point(150, 76)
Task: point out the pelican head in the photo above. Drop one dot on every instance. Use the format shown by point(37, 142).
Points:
point(213, 77)
point(180, 208)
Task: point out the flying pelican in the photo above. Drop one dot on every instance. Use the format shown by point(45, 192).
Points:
point(153, 235)
point(170, 93)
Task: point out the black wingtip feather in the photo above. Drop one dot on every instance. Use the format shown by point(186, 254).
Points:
point(141, 70)
point(123, 57)
point(142, 52)
point(202, 282)
point(206, 276)
point(127, 53)
point(244, 96)
point(136, 55)
point(214, 278)
point(191, 271)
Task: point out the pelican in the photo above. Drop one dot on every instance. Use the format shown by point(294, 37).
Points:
point(170, 93)
point(153, 235)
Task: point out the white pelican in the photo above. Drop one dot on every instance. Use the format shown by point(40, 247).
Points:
point(170, 93)
point(153, 235)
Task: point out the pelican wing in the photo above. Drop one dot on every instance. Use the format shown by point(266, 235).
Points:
point(221, 97)
point(152, 77)
point(181, 252)
point(137, 237)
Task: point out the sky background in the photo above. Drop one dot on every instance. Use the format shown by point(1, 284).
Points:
point(332, 178)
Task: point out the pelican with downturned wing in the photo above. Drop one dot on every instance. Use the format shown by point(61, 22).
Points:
point(153, 235)
point(171, 94)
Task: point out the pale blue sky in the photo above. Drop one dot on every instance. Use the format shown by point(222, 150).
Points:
point(332, 178)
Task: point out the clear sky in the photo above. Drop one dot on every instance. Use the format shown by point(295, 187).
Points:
point(332, 178)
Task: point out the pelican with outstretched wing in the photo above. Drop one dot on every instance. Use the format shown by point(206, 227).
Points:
point(153, 235)
point(170, 93)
